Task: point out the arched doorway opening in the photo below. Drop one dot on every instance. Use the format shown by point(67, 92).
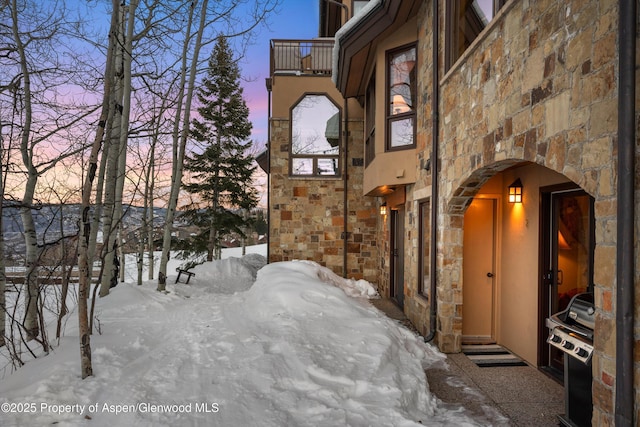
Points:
point(521, 261)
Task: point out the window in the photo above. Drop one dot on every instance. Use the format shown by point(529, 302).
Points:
point(315, 137)
point(465, 20)
point(370, 122)
point(358, 5)
point(401, 93)
point(424, 243)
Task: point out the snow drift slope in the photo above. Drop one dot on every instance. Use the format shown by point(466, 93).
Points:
point(291, 350)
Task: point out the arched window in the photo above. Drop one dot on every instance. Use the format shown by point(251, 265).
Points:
point(315, 137)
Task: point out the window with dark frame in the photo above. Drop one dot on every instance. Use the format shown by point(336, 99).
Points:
point(401, 95)
point(424, 247)
point(465, 20)
point(315, 137)
point(370, 122)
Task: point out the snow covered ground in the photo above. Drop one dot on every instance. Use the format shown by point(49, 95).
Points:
point(288, 344)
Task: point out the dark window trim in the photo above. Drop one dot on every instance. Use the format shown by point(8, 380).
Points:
point(398, 117)
point(451, 39)
point(370, 121)
point(315, 157)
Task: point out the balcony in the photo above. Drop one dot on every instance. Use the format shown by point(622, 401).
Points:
point(302, 57)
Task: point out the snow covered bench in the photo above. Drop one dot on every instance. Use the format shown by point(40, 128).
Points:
point(189, 274)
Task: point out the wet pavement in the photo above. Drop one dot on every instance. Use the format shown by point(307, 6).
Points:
point(520, 396)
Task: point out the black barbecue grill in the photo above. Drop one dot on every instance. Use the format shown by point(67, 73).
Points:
point(571, 331)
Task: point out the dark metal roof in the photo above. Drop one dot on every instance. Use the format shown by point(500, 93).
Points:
point(357, 44)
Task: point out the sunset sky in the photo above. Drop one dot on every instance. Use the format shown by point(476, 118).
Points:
point(297, 19)
point(294, 19)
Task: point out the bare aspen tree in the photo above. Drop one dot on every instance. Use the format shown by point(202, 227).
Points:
point(148, 204)
point(180, 138)
point(4, 166)
point(127, 52)
point(110, 210)
point(3, 276)
point(149, 170)
point(31, 274)
point(86, 367)
point(35, 29)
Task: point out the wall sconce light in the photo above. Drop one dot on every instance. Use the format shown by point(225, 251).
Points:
point(383, 208)
point(515, 192)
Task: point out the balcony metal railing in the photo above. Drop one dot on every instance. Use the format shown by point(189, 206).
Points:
point(302, 57)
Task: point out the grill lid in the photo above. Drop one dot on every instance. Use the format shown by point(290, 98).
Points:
point(581, 310)
point(571, 330)
point(579, 316)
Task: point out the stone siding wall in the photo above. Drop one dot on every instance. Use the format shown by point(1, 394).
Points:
point(538, 86)
point(307, 214)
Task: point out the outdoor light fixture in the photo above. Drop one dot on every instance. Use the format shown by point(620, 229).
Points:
point(515, 192)
point(383, 209)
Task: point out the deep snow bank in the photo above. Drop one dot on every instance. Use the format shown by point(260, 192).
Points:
point(291, 350)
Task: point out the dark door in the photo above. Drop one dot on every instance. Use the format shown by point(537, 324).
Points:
point(397, 256)
point(567, 261)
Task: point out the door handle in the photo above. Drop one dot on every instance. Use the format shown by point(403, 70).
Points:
point(489, 274)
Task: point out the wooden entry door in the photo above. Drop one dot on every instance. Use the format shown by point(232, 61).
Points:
point(397, 256)
point(478, 288)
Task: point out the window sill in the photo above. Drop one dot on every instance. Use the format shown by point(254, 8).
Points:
point(315, 177)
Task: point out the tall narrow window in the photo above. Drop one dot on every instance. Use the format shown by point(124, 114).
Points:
point(424, 246)
point(370, 122)
point(465, 21)
point(315, 137)
point(401, 93)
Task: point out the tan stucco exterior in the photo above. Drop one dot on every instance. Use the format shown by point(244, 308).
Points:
point(389, 168)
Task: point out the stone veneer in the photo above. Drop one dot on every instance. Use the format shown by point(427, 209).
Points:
point(538, 86)
point(307, 214)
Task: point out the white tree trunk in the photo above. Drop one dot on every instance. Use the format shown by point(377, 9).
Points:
point(110, 213)
point(148, 198)
point(3, 276)
point(30, 238)
point(31, 260)
point(151, 216)
point(124, 130)
point(143, 229)
point(85, 231)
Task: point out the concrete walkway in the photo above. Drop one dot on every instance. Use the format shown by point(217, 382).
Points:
point(520, 396)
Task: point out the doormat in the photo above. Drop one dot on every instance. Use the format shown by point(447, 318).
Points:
point(491, 355)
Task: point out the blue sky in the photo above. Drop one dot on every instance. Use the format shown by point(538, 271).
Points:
point(296, 19)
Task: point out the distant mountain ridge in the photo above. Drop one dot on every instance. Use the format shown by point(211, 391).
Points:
point(54, 221)
point(48, 218)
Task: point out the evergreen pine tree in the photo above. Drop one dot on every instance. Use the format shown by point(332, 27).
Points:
point(220, 177)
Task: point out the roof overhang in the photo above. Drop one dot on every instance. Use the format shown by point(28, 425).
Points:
point(356, 45)
point(262, 159)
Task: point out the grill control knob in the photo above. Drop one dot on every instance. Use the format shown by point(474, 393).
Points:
point(555, 338)
point(567, 344)
point(581, 352)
